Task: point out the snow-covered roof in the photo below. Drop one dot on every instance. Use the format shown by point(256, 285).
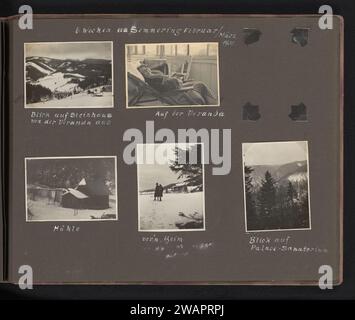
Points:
point(180, 184)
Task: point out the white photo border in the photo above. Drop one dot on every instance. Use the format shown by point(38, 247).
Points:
point(172, 106)
point(203, 182)
point(71, 107)
point(71, 157)
point(308, 182)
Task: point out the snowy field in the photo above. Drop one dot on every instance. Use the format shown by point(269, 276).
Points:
point(82, 100)
point(41, 210)
point(161, 216)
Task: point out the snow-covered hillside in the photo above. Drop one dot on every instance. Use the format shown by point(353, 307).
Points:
point(298, 177)
point(39, 68)
point(61, 83)
point(57, 82)
point(293, 171)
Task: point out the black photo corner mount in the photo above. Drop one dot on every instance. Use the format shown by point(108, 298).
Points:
point(298, 112)
point(251, 35)
point(250, 112)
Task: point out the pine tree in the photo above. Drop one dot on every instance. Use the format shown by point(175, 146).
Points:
point(304, 212)
point(188, 164)
point(290, 195)
point(267, 195)
point(250, 205)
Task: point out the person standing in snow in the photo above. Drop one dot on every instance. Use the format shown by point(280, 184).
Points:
point(156, 191)
point(160, 192)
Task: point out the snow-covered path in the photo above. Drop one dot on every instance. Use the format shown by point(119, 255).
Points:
point(161, 216)
point(42, 210)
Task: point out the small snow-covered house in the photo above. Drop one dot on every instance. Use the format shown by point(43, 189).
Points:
point(107, 88)
point(180, 187)
point(74, 199)
point(92, 194)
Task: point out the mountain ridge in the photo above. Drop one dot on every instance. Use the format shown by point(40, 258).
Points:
point(65, 76)
point(292, 171)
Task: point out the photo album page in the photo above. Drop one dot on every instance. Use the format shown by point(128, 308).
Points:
point(197, 149)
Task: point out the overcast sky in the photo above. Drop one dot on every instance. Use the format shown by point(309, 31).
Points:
point(150, 174)
point(154, 162)
point(274, 153)
point(70, 50)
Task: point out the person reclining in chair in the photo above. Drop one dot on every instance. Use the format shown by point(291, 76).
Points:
point(199, 92)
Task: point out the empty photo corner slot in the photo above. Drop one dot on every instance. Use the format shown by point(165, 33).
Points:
point(300, 36)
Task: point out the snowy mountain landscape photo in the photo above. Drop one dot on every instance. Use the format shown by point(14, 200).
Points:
point(171, 190)
point(276, 185)
point(68, 75)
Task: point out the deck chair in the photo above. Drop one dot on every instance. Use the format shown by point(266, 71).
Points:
point(184, 71)
point(140, 88)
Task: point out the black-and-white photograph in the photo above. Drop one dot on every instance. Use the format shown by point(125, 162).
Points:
point(172, 74)
point(71, 189)
point(170, 187)
point(68, 74)
point(276, 186)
